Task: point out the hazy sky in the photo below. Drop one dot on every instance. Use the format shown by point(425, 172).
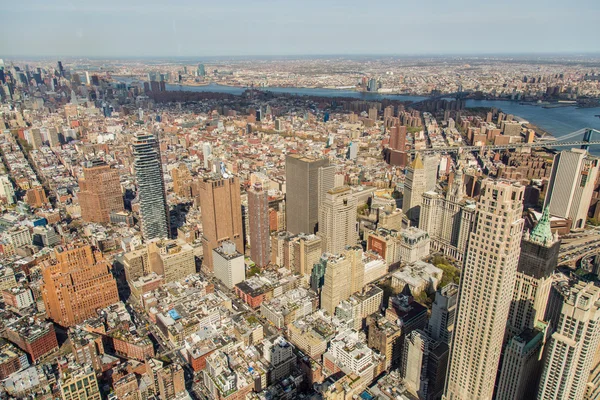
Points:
point(289, 27)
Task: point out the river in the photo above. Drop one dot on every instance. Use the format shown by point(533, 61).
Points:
point(556, 121)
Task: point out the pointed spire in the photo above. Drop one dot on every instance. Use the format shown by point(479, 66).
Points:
point(542, 233)
point(417, 163)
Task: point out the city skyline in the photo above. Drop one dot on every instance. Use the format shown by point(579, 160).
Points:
point(269, 28)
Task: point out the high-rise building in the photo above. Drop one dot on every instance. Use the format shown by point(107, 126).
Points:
point(521, 364)
point(78, 382)
point(206, 152)
point(154, 212)
point(77, 282)
point(229, 265)
point(337, 220)
point(485, 291)
point(304, 252)
point(537, 262)
point(414, 187)
point(570, 352)
point(173, 259)
point(221, 207)
point(342, 277)
point(443, 314)
point(448, 219)
point(307, 179)
point(413, 368)
point(7, 192)
point(100, 193)
point(571, 186)
point(258, 216)
point(431, 163)
point(398, 138)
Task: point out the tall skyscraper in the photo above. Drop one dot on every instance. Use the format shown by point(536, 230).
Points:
point(343, 276)
point(221, 207)
point(538, 260)
point(486, 291)
point(260, 239)
point(443, 314)
point(398, 138)
point(154, 212)
point(526, 327)
point(337, 220)
point(448, 219)
point(571, 186)
point(571, 348)
point(414, 187)
point(76, 284)
point(307, 179)
point(100, 192)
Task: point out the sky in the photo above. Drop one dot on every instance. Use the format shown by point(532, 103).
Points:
point(196, 28)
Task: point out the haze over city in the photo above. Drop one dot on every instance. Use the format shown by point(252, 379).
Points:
point(267, 27)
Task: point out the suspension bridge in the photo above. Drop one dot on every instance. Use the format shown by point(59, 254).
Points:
point(563, 141)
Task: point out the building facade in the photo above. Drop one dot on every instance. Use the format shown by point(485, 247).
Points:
point(486, 291)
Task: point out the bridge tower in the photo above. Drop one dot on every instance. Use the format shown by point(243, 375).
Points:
point(587, 137)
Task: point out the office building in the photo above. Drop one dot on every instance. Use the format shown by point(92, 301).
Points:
point(78, 382)
point(229, 265)
point(443, 314)
point(100, 193)
point(221, 207)
point(77, 282)
point(413, 245)
point(485, 293)
point(154, 213)
point(414, 186)
point(7, 192)
point(571, 186)
point(570, 351)
point(537, 262)
point(343, 276)
point(307, 181)
point(173, 259)
point(303, 252)
point(413, 368)
point(258, 216)
point(521, 364)
point(337, 220)
point(448, 219)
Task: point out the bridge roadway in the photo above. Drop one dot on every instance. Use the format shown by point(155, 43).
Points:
point(460, 149)
point(563, 141)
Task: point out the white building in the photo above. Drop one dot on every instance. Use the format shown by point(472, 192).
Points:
point(414, 245)
point(6, 190)
point(571, 186)
point(229, 265)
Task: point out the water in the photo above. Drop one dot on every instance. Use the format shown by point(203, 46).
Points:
point(556, 121)
point(299, 91)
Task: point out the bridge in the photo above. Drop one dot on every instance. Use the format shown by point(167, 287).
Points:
point(563, 141)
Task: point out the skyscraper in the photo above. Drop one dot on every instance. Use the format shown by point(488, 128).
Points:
point(443, 313)
point(537, 262)
point(154, 213)
point(307, 180)
point(99, 192)
point(486, 291)
point(571, 186)
point(337, 220)
point(448, 219)
point(221, 207)
point(76, 284)
point(571, 348)
point(258, 210)
point(526, 327)
point(414, 187)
